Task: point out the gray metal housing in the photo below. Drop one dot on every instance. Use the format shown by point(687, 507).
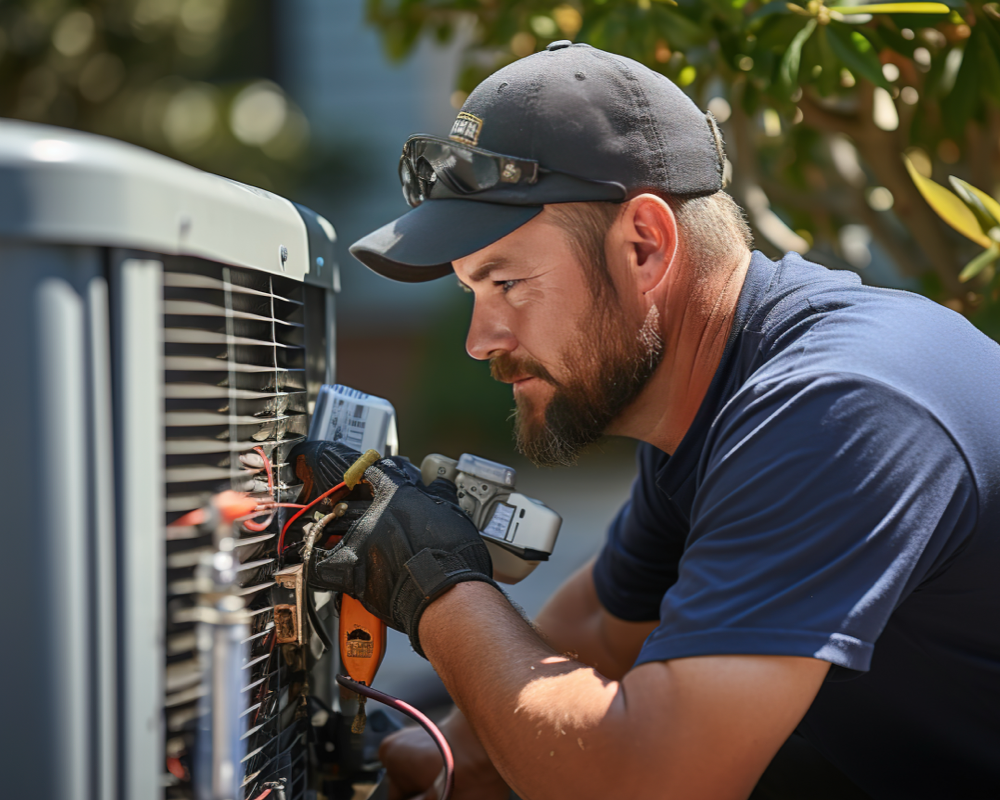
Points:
point(86, 224)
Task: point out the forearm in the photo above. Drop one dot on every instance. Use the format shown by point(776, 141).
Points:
point(553, 726)
point(699, 728)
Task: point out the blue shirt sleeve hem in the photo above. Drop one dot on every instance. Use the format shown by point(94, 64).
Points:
point(836, 648)
point(630, 610)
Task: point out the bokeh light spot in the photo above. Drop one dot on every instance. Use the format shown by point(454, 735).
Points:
point(880, 198)
point(568, 19)
point(720, 108)
point(522, 44)
point(258, 113)
point(190, 117)
point(543, 26)
point(74, 33)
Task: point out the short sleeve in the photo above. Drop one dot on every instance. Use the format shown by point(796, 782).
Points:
point(822, 502)
point(639, 560)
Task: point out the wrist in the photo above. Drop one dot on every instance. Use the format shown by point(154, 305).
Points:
point(444, 615)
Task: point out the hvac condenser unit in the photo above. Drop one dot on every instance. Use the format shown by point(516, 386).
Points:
point(158, 322)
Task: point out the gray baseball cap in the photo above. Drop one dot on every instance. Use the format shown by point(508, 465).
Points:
point(568, 124)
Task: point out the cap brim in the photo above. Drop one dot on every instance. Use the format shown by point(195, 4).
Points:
point(421, 244)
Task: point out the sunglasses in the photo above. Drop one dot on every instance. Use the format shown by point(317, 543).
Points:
point(432, 167)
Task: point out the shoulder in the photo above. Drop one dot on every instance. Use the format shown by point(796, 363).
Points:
point(811, 407)
point(827, 435)
point(822, 329)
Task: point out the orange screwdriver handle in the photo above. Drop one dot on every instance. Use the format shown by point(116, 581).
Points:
point(362, 641)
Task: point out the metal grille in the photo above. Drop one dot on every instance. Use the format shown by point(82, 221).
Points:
point(234, 380)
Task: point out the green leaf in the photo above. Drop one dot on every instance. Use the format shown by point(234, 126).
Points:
point(894, 8)
point(979, 263)
point(959, 105)
point(992, 206)
point(679, 31)
point(789, 69)
point(777, 32)
point(828, 82)
point(857, 53)
point(970, 195)
point(948, 206)
point(767, 10)
point(989, 64)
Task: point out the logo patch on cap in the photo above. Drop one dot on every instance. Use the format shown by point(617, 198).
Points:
point(466, 129)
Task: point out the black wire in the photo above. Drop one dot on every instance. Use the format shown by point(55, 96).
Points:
point(317, 624)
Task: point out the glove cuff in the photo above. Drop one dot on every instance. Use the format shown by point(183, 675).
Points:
point(431, 573)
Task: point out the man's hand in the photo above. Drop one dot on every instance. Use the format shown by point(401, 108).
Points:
point(414, 764)
point(412, 544)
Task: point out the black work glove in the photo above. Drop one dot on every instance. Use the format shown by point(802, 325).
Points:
point(412, 544)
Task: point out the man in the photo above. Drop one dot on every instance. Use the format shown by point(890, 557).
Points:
point(808, 563)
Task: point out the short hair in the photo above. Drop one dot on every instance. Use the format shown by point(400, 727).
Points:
point(711, 230)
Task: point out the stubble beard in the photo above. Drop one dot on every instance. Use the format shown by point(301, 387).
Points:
point(608, 370)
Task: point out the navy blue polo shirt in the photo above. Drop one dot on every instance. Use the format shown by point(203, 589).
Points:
point(838, 497)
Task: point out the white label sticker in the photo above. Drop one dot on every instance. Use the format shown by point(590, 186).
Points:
point(349, 424)
point(501, 521)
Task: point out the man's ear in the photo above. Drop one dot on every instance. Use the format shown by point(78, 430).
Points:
point(649, 230)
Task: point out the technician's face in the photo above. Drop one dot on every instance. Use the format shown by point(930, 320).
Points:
point(575, 361)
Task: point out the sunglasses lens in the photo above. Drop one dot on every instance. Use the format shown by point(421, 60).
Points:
point(462, 170)
point(411, 187)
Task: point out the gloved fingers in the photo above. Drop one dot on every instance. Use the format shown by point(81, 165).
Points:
point(444, 489)
point(334, 570)
point(407, 468)
point(320, 465)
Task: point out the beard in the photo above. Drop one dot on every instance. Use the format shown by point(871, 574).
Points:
point(607, 371)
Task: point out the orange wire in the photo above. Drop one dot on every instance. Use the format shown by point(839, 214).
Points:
point(281, 539)
point(257, 527)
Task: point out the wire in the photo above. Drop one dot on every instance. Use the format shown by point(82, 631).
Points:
point(324, 522)
point(410, 711)
point(257, 527)
point(281, 538)
point(317, 623)
point(263, 794)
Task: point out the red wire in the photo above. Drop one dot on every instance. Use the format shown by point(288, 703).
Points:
point(281, 539)
point(257, 527)
point(177, 769)
point(410, 711)
point(275, 505)
point(263, 794)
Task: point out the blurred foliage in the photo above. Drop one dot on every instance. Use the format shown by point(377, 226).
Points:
point(186, 78)
point(975, 215)
point(818, 104)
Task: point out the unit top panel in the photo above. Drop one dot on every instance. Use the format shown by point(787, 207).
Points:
point(62, 186)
